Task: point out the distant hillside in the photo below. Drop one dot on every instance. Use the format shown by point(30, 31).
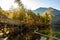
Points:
point(2, 15)
point(6, 14)
point(40, 10)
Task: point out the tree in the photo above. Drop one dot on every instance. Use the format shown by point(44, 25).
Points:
point(47, 22)
point(0, 8)
point(19, 3)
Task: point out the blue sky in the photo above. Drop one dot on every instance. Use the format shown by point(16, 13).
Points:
point(51, 3)
point(31, 4)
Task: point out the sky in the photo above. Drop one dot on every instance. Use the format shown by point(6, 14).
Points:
point(31, 4)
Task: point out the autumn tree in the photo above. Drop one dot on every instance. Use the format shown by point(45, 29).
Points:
point(47, 22)
point(19, 13)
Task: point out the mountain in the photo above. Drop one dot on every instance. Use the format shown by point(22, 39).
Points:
point(55, 19)
point(55, 12)
point(40, 10)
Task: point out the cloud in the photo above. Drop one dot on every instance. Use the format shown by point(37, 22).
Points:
point(29, 4)
point(32, 4)
point(6, 4)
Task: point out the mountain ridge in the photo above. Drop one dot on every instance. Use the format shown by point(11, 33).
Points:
point(41, 10)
